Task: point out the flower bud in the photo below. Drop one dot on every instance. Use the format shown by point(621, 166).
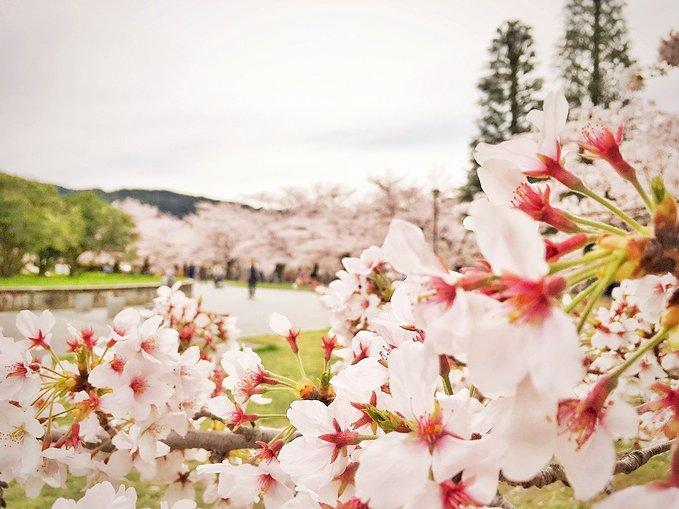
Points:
point(601, 143)
point(329, 344)
point(535, 202)
point(555, 250)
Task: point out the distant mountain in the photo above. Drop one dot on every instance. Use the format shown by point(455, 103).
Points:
point(177, 204)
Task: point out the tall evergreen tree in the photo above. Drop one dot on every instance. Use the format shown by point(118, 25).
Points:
point(593, 49)
point(508, 91)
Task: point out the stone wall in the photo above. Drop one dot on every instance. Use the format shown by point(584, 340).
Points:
point(80, 297)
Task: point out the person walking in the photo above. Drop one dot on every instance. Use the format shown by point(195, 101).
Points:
point(253, 277)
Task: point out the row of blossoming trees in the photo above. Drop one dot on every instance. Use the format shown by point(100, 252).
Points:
point(296, 230)
point(435, 388)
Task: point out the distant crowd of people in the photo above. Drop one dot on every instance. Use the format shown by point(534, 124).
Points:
point(218, 273)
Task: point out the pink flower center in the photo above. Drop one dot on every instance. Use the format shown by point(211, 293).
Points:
point(578, 420)
point(39, 340)
point(138, 385)
point(445, 292)
point(117, 365)
point(19, 370)
point(454, 496)
point(149, 345)
point(340, 438)
point(265, 482)
point(532, 300)
point(430, 429)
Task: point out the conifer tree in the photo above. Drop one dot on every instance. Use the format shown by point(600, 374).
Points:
point(508, 91)
point(594, 47)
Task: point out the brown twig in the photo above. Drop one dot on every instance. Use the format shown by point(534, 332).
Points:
point(221, 441)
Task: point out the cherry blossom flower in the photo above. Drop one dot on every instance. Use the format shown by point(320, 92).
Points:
point(428, 280)
point(143, 385)
point(327, 440)
point(363, 345)
point(102, 495)
point(439, 437)
point(642, 497)
point(52, 471)
point(364, 264)
point(232, 414)
point(505, 165)
point(152, 341)
point(588, 429)
point(36, 328)
point(19, 447)
point(109, 373)
point(477, 488)
point(143, 445)
point(245, 375)
point(281, 325)
point(527, 333)
point(244, 485)
point(19, 374)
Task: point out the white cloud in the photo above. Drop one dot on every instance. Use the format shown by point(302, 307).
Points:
point(226, 98)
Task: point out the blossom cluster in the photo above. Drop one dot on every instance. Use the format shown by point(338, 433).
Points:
point(213, 333)
point(435, 386)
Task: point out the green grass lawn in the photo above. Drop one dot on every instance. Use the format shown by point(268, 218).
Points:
point(264, 284)
point(277, 357)
point(85, 278)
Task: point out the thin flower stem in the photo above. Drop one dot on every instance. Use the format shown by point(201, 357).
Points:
point(265, 416)
point(52, 371)
point(301, 365)
point(286, 388)
point(62, 412)
point(42, 395)
point(48, 433)
point(281, 378)
point(596, 224)
point(600, 288)
point(580, 297)
point(573, 262)
point(613, 208)
point(580, 275)
point(642, 192)
point(654, 341)
point(287, 384)
point(103, 354)
point(367, 437)
point(49, 377)
point(281, 433)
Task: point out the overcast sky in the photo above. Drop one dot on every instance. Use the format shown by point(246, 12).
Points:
point(228, 98)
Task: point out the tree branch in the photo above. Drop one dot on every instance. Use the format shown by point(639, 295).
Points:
point(221, 441)
point(626, 464)
point(246, 437)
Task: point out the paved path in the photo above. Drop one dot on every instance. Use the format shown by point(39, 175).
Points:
point(303, 308)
